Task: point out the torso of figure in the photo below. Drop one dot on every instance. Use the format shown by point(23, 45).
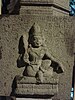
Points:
point(36, 55)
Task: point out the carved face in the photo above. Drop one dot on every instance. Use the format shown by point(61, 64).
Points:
point(37, 41)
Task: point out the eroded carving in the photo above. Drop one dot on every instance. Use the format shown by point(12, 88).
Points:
point(39, 64)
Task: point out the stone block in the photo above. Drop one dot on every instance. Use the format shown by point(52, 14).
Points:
point(36, 1)
point(58, 31)
point(29, 86)
point(62, 3)
point(54, 7)
point(36, 89)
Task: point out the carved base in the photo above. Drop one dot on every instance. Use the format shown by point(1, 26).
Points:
point(29, 86)
point(32, 80)
point(34, 89)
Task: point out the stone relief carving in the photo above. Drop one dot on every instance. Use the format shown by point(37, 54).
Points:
point(39, 65)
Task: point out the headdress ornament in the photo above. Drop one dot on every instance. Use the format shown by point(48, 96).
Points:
point(35, 30)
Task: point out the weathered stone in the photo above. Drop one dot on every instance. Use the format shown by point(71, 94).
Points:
point(36, 89)
point(59, 35)
point(38, 75)
point(39, 61)
point(62, 3)
point(31, 80)
point(30, 99)
point(54, 7)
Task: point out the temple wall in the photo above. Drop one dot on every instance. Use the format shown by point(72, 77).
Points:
point(59, 35)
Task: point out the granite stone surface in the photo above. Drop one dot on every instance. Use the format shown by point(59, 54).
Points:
point(59, 34)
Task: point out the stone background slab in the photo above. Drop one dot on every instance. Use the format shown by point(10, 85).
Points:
point(59, 32)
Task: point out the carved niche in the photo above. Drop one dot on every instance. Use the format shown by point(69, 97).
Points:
point(38, 76)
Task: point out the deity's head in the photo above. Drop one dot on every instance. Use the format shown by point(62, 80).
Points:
point(35, 36)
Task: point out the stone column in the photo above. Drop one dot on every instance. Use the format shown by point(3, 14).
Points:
point(56, 28)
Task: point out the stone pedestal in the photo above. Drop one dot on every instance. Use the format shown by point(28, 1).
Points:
point(29, 86)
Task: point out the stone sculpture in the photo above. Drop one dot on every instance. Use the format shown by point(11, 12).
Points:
point(39, 64)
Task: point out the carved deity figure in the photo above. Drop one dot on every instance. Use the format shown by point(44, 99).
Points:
point(40, 63)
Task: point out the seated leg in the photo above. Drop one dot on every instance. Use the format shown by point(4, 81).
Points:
point(30, 71)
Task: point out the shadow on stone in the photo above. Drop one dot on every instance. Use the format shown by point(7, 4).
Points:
point(10, 7)
point(21, 46)
point(13, 87)
point(1, 52)
point(20, 60)
point(73, 75)
point(56, 67)
point(16, 8)
point(35, 96)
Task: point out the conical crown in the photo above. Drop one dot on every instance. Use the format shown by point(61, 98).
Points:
point(35, 30)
